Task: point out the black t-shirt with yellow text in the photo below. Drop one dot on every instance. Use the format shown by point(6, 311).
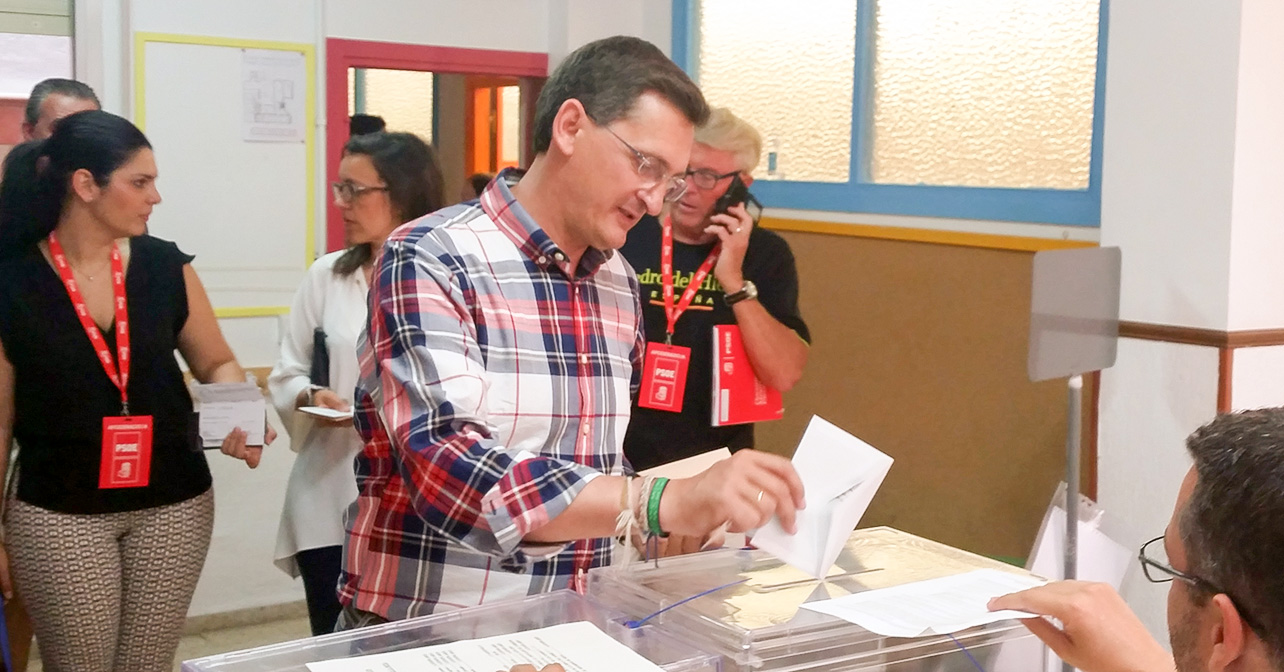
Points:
point(656, 437)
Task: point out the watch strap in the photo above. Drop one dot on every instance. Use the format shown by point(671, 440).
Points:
point(748, 291)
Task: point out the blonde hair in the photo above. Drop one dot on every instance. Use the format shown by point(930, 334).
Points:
point(729, 133)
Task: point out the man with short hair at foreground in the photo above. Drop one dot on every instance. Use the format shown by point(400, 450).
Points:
point(503, 343)
point(1220, 552)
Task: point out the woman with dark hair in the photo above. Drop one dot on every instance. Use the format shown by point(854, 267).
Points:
point(110, 521)
point(385, 179)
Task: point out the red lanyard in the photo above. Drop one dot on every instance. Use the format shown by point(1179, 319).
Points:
point(95, 335)
point(666, 277)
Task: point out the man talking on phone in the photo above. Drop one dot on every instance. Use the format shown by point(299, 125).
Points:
point(721, 270)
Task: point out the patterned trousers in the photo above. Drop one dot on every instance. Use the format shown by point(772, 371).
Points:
point(109, 591)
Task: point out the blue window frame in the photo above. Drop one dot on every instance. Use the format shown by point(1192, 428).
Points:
point(1049, 206)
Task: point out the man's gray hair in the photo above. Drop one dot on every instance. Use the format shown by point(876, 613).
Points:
point(64, 87)
point(1233, 524)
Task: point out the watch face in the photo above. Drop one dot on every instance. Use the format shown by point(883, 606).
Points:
point(748, 291)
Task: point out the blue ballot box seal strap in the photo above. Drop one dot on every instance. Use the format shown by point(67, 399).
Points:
point(967, 653)
point(642, 621)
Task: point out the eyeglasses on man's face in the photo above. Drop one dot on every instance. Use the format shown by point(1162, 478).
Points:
point(653, 170)
point(707, 179)
point(1154, 564)
point(347, 191)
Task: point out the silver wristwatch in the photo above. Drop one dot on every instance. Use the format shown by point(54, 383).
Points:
point(748, 291)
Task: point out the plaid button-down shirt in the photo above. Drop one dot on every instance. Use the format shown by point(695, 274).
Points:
point(495, 384)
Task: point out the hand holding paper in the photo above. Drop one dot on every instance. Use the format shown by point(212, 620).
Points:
point(1098, 630)
point(933, 607)
point(686, 468)
point(225, 407)
point(841, 473)
point(743, 491)
point(233, 418)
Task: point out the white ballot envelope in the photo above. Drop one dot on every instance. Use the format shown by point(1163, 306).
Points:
point(325, 412)
point(227, 406)
point(840, 473)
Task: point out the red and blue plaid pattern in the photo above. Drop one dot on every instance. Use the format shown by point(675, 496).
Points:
point(495, 383)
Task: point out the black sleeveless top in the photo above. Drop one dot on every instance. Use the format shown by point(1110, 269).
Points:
point(62, 394)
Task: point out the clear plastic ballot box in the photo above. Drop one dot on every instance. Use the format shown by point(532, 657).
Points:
point(757, 625)
point(540, 611)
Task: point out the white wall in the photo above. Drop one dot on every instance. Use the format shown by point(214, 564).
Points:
point(1256, 271)
point(1168, 151)
point(577, 22)
point(1170, 115)
point(1258, 377)
point(478, 24)
point(277, 20)
point(1156, 394)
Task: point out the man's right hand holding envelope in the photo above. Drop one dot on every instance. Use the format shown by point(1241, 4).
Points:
point(842, 474)
point(807, 533)
point(743, 491)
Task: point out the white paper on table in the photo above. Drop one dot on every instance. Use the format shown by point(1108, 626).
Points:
point(933, 607)
point(227, 406)
point(840, 474)
point(328, 413)
point(577, 646)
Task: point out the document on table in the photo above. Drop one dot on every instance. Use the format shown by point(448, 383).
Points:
point(840, 473)
point(327, 413)
point(227, 406)
point(933, 607)
point(579, 647)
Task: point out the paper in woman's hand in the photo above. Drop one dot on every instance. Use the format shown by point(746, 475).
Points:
point(227, 406)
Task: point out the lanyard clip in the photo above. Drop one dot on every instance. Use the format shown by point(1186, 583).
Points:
point(124, 408)
point(668, 339)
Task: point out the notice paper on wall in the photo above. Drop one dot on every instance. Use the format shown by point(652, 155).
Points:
point(933, 607)
point(274, 88)
point(227, 406)
point(577, 646)
point(840, 473)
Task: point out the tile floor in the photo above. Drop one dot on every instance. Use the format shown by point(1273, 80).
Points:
point(232, 639)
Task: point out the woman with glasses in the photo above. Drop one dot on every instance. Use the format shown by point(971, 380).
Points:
point(384, 179)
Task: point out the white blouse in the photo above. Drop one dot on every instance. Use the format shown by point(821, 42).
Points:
point(321, 484)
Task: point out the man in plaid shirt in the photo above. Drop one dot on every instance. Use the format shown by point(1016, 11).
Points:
point(503, 342)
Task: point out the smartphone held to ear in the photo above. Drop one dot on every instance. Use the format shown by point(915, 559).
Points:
point(737, 193)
